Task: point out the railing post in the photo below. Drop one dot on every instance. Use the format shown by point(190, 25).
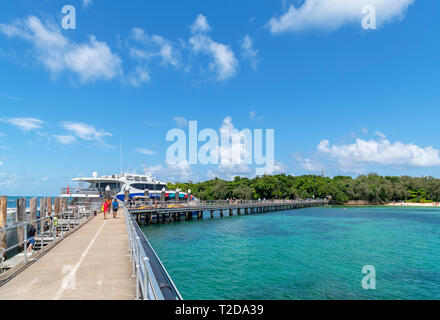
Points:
point(25, 243)
point(146, 294)
point(3, 224)
point(137, 268)
point(138, 289)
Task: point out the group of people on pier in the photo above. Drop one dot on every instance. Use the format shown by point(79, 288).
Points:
point(110, 205)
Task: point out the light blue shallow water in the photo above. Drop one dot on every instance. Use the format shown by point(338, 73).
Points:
point(12, 204)
point(313, 253)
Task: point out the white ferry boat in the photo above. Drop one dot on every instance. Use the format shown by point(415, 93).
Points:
point(144, 186)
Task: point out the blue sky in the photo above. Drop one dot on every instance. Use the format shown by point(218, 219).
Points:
point(339, 97)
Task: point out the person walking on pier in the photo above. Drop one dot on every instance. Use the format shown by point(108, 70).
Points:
point(115, 206)
point(105, 209)
point(31, 237)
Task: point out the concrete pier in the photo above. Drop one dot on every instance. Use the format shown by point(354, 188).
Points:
point(91, 264)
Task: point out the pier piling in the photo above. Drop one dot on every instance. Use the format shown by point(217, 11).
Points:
point(21, 217)
point(49, 206)
point(3, 221)
point(43, 203)
point(33, 209)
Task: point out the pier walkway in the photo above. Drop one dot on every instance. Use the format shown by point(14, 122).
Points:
point(93, 263)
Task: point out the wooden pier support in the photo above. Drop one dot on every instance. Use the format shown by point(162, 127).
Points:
point(43, 203)
point(231, 213)
point(221, 213)
point(21, 217)
point(49, 206)
point(3, 222)
point(33, 209)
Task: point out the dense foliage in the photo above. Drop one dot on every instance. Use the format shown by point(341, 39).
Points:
point(370, 187)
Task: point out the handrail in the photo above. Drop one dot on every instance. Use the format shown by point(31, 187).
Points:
point(172, 205)
point(147, 285)
point(44, 230)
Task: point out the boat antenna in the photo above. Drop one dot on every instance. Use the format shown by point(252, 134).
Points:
point(145, 168)
point(120, 155)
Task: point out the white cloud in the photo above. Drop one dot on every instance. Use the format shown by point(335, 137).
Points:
point(354, 157)
point(1, 163)
point(26, 124)
point(330, 15)
point(93, 61)
point(200, 24)
point(85, 131)
point(154, 46)
point(223, 63)
point(248, 52)
point(139, 76)
point(181, 121)
point(147, 50)
point(308, 164)
point(181, 170)
point(145, 151)
point(253, 115)
point(380, 135)
point(8, 179)
point(90, 61)
point(86, 3)
point(44, 178)
point(65, 139)
point(232, 157)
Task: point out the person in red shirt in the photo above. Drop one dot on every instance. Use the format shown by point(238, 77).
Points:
point(106, 208)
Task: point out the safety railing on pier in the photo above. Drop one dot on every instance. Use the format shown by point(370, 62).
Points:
point(155, 204)
point(48, 231)
point(152, 280)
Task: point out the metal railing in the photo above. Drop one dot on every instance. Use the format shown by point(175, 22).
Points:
point(147, 285)
point(88, 191)
point(152, 204)
point(47, 232)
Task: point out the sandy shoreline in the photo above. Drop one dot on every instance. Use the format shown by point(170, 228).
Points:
point(411, 204)
point(357, 203)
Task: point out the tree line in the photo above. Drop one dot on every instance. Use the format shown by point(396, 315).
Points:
point(371, 187)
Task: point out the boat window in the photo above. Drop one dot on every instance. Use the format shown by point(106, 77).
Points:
point(113, 185)
point(140, 186)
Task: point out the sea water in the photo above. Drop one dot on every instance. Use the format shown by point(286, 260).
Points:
point(312, 253)
point(12, 204)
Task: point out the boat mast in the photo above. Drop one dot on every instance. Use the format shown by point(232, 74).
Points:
point(120, 155)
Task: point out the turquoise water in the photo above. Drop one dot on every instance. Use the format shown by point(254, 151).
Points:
point(12, 204)
point(313, 253)
point(12, 201)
